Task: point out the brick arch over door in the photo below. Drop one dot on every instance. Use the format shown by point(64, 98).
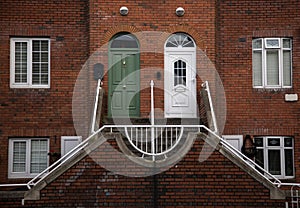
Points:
point(119, 29)
point(188, 30)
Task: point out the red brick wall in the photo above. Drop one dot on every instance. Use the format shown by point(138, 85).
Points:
point(48, 112)
point(155, 16)
point(252, 111)
point(41, 112)
point(216, 182)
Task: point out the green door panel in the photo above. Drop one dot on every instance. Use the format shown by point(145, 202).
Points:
point(124, 76)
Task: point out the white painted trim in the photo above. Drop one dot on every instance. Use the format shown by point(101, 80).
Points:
point(280, 51)
point(280, 148)
point(27, 173)
point(29, 63)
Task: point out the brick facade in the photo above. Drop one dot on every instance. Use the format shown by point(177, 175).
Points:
point(41, 112)
point(78, 29)
point(216, 182)
point(255, 111)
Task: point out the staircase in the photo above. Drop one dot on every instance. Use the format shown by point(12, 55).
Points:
point(156, 145)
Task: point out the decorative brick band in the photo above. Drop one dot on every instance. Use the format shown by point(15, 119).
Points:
point(273, 33)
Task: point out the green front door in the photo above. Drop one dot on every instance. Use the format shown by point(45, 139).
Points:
point(124, 76)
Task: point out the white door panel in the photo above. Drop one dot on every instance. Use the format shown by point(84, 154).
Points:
point(180, 84)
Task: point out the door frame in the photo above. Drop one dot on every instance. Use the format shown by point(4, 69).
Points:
point(174, 51)
point(126, 52)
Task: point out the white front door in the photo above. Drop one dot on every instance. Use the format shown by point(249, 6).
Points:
point(180, 84)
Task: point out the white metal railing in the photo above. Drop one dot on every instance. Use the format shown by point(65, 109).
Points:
point(111, 128)
point(94, 117)
point(161, 140)
point(206, 87)
point(154, 140)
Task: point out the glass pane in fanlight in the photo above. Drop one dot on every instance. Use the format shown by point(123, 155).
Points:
point(273, 141)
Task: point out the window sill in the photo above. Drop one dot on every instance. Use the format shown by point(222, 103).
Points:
point(21, 176)
point(272, 90)
point(30, 87)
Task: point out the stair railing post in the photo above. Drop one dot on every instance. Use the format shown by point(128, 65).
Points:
point(96, 107)
point(152, 121)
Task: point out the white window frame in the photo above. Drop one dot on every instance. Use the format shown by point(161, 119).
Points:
point(26, 173)
point(269, 46)
point(28, 84)
point(282, 149)
point(280, 49)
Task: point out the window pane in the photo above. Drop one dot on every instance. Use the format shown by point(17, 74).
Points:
point(272, 67)
point(259, 157)
point(274, 162)
point(180, 40)
point(36, 57)
point(18, 68)
point(259, 142)
point(24, 67)
point(20, 62)
point(257, 43)
point(44, 57)
point(38, 155)
point(287, 70)
point(273, 142)
point(179, 72)
point(289, 164)
point(18, 47)
point(44, 45)
point(40, 65)
point(19, 156)
point(18, 57)
point(286, 43)
point(44, 68)
point(124, 41)
point(35, 79)
point(36, 45)
point(44, 79)
point(257, 68)
point(36, 68)
point(288, 142)
point(24, 57)
point(272, 43)
point(40, 74)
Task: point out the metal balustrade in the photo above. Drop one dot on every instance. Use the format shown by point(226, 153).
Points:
point(158, 150)
point(155, 140)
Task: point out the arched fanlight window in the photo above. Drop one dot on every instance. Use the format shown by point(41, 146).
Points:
point(179, 73)
point(124, 41)
point(180, 40)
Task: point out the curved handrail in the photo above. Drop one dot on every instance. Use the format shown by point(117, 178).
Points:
point(153, 138)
